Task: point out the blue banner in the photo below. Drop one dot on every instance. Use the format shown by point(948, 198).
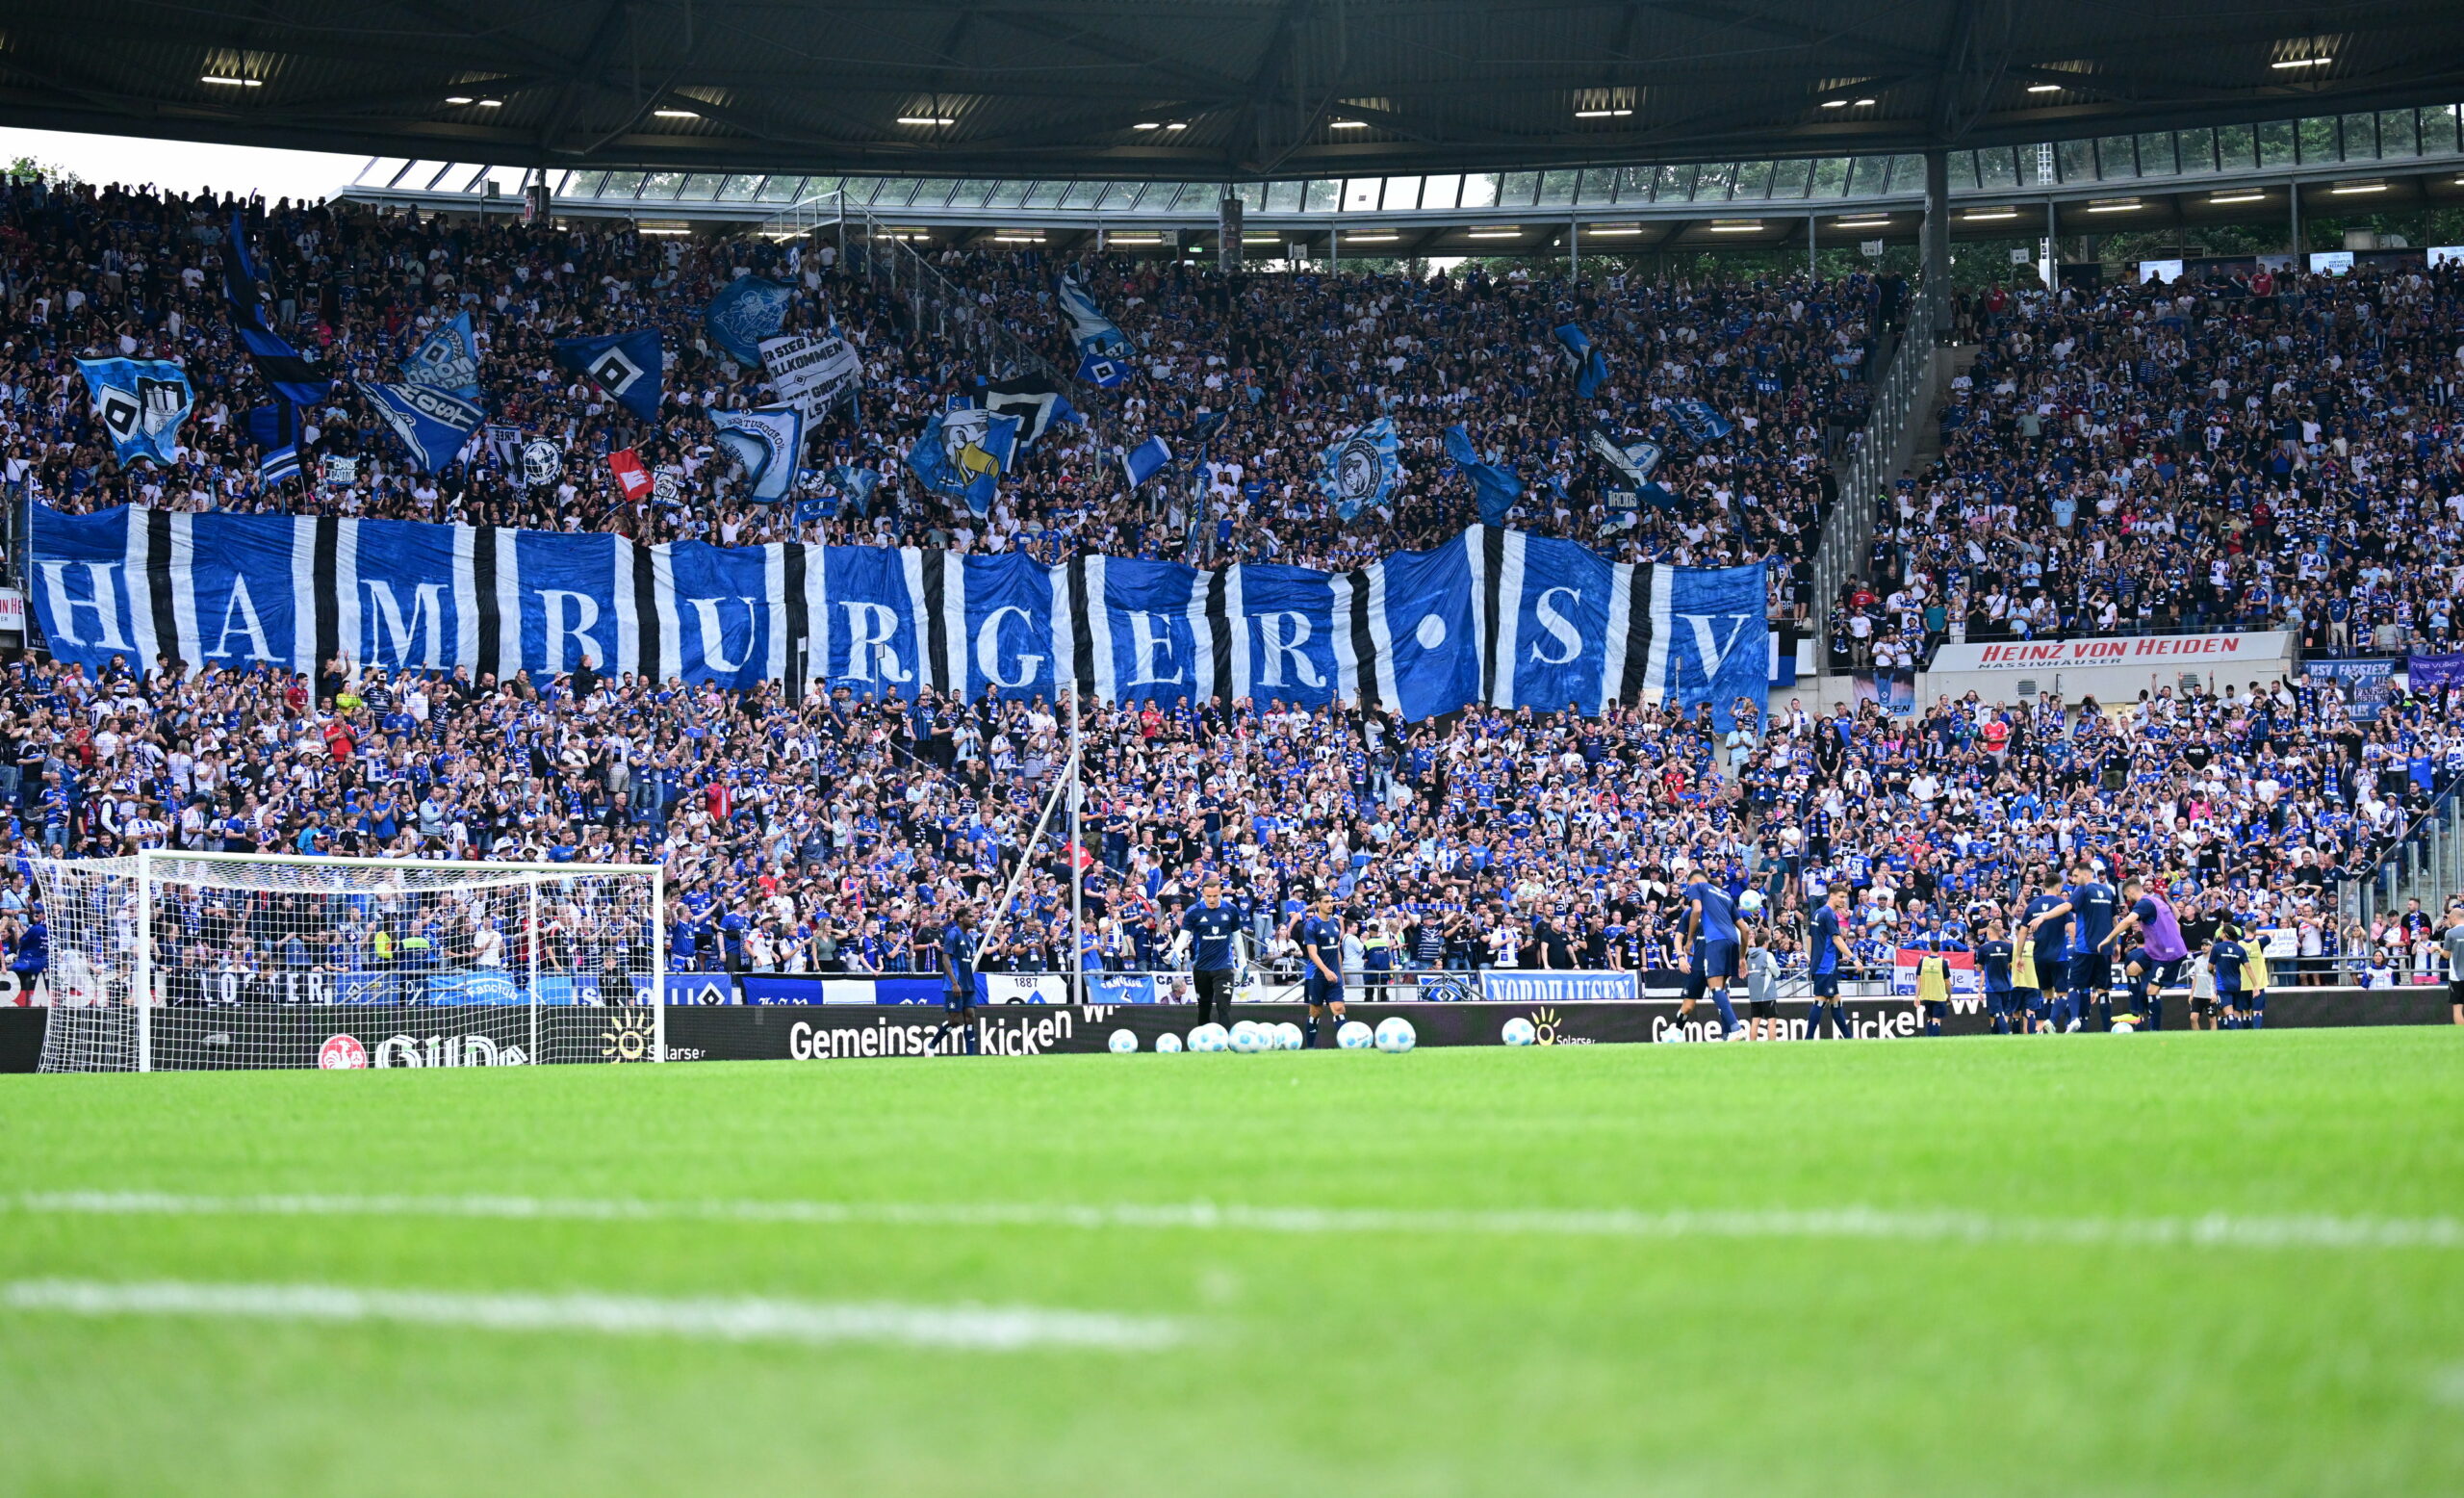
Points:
point(1494, 616)
point(746, 311)
point(628, 365)
point(1096, 335)
point(446, 359)
point(433, 423)
point(140, 403)
point(1699, 421)
point(1493, 487)
point(766, 442)
point(1360, 469)
point(964, 454)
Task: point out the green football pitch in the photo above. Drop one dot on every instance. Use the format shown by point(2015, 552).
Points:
point(2168, 1264)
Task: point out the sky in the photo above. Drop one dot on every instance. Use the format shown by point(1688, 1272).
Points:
point(185, 166)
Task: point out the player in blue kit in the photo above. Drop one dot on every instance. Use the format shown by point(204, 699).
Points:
point(1825, 954)
point(1212, 925)
point(1993, 959)
point(2046, 926)
point(959, 946)
point(2094, 905)
point(1322, 956)
point(1710, 934)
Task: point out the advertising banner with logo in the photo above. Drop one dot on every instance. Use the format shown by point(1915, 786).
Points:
point(2107, 669)
point(1964, 978)
point(1558, 988)
point(805, 987)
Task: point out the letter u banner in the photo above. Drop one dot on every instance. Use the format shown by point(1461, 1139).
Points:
point(1495, 618)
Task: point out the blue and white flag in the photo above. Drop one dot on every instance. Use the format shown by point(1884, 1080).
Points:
point(1360, 469)
point(964, 454)
point(855, 483)
point(628, 365)
point(1494, 616)
point(1698, 421)
point(1588, 366)
point(140, 403)
point(1088, 328)
point(277, 465)
point(447, 359)
point(1145, 460)
point(1495, 486)
point(276, 430)
point(766, 442)
point(1103, 371)
point(1632, 463)
point(746, 311)
point(1035, 401)
point(434, 425)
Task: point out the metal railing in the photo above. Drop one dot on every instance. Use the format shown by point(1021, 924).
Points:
point(2426, 864)
point(1902, 396)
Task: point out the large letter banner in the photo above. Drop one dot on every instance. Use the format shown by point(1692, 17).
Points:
point(1290, 622)
point(874, 649)
point(1008, 630)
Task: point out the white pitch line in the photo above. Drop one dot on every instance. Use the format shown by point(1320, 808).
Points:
point(732, 1319)
point(2214, 1230)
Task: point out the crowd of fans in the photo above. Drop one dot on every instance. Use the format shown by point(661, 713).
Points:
point(2227, 454)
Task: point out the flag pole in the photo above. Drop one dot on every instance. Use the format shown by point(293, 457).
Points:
point(1077, 866)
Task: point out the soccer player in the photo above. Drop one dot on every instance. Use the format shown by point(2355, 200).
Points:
point(30, 960)
point(1825, 954)
point(2046, 923)
point(1993, 959)
point(2453, 940)
point(1710, 932)
point(2226, 961)
point(2092, 903)
point(1322, 954)
point(2156, 958)
point(1212, 925)
point(959, 946)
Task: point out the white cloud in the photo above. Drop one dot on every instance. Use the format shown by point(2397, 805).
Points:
point(184, 166)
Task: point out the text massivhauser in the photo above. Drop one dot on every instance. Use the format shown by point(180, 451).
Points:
point(1029, 1034)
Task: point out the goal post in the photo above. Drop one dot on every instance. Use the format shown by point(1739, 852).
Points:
point(175, 960)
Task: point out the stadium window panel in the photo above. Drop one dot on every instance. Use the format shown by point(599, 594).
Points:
point(1712, 181)
point(424, 175)
point(456, 182)
point(585, 185)
point(381, 172)
point(1360, 194)
point(1402, 195)
point(1753, 179)
point(661, 187)
point(1673, 185)
point(2117, 157)
point(2196, 149)
point(1997, 169)
point(1252, 196)
point(2438, 131)
point(859, 191)
point(2237, 148)
point(1440, 192)
point(1480, 189)
point(1830, 176)
point(1321, 195)
point(970, 193)
point(2156, 154)
point(2396, 134)
point(737, 188)
point(703, 187)
point(895, 193)
point(2360, 137)
point(1791, 178)
point(1519, 189)
point(1007, 194)
point(1871, 177)
point(1558, 188)
point(1633, 185)
point(1046, 194)
point(2076, 160)
point(818, 187)
point(621, 185)
point(1082, 194)
point(560, 182)
point(779, 188)
point(2275, 143)
point(1963, 172)
point(1195, 197)
point(1284, 198)
point(2314, 142)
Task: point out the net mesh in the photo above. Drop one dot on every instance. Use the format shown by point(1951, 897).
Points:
point(257, 962)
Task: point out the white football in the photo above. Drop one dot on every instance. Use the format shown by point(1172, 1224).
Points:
point(1395, 1035)
point(1355, 1036)
point(1123, 1041)
point(1168, 1042)
point(1750, 901)
point(1674, 1035)
point(2124, 1028)
point(1519, 1031)
point(1289, 1035)
point(1209, 1036)
point(1248, 1037)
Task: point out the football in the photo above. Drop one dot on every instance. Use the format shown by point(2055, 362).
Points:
point(1287, 1036)
point(1395, 1035)
point(1248, 1037)
point(1354, 1036)
point(1209, 1037)
point(1519, 1031)
point(1168, 1042)
point(1123, 1040)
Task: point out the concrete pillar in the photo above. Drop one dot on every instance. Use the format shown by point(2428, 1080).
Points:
point(2293, 198)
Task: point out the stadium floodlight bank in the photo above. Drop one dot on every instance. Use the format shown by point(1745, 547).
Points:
point(172, 959)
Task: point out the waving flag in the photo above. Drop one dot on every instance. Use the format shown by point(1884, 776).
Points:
point(964, 454)
point(767, 442)
point(1632, 463)
point(1035, 401)
point(1145, 460)
point(632, 479)
point(1699, 421)
point(447, 359)
point(140, 403)
point(1494, 486)
point(1587, 364)
point(746, 311)
point(628, 365)
point(243, 285)
point(1088, 328)
point(276, 430)
point(1360, 469)
point(434, 423)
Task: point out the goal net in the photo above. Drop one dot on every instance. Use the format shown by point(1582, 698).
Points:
point(189, 961)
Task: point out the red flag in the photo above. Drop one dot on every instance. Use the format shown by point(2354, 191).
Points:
point(630, 476)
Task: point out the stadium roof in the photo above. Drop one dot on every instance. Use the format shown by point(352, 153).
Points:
point(1197, 90)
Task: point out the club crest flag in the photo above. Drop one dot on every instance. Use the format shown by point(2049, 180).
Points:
point(1095, 334)
point(1035, 399)
point(766, 442)
point(964, 454)
point(543, 463)
point(1698, 421)
point(628, 365)
point(434, 423)
point(1361, 468)
point(746, 311)
point(140, 403)
point(446, 359)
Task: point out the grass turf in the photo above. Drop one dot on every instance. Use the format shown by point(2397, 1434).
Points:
point(1363, 1363)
